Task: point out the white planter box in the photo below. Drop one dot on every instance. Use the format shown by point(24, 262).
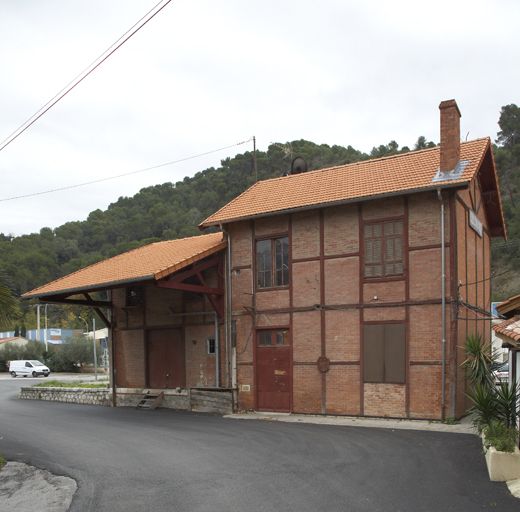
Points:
point(503, 466)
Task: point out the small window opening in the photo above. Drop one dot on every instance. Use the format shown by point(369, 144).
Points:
point(210, 344)
point(134, 296)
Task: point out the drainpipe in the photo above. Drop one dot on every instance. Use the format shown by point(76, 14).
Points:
point(112, 352)
point(230, 312)
point(443, 280)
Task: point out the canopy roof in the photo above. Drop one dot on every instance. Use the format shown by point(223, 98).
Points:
point(154, 261)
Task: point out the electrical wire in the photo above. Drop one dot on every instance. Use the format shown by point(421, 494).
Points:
point(104, 56)
point(492, 277)
point(125, 174)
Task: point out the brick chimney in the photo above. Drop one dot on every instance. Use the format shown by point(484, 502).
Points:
point(450, 135)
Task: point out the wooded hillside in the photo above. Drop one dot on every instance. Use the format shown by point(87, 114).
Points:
point(173, 210)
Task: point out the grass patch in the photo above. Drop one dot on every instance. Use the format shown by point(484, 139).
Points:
point(3, 462)
point(450, 420)
point(79, 384)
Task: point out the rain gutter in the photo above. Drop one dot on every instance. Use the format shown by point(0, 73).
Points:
point(96, 287)
point(314, 206)
point(443, 281)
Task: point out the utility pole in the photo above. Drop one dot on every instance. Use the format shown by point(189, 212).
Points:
point(254, 157)
point(95, 355)
point(38, 337)
point(45, 335)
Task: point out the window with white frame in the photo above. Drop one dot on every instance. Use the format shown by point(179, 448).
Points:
point(210, 346)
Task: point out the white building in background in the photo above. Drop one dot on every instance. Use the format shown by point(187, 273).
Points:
point(502, 353)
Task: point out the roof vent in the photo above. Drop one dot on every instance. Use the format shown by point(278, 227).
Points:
point(298, 165)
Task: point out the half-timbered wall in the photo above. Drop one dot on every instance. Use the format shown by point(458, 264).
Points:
point(330, 300)
point(473, 265)
point(159, 311)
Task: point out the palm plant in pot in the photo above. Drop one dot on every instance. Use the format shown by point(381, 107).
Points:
point(495, 408)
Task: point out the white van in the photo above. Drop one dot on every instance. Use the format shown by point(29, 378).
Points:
point(25, 368)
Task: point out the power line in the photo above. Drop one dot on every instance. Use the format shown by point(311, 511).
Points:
point(126, 174)
point(492, 277)
point(71, 85)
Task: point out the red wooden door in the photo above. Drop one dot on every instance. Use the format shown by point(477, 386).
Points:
point(166, 362)
point(273, 371)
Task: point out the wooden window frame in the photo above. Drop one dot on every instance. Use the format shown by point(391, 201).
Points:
point(384, 240)
point(273, 259)
point(276, 337)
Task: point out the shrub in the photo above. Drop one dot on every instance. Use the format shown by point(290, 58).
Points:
point(500, 437)
point(494, 406)
point(12, 352)
point(479, 360)
point(67, 357)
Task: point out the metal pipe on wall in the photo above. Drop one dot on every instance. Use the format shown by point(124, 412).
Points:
point(443, 298)
point(230, 312)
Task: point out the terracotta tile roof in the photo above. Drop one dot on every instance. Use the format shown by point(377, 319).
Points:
point(152, 261)
point(362, 180)
point(12, 338)
point(510, 328)
point(508, 305)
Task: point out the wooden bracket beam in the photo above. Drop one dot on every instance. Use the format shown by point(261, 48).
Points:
point(215, 295)
point(76, 302)
point(189, 287)
point(215, 260)
point(106, 321)
point(215, 303)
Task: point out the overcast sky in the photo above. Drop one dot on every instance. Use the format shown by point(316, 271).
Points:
point(203, 75)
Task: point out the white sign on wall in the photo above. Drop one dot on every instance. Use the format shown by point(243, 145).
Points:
point(475, 223)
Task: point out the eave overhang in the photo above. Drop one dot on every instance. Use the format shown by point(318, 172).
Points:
point(443, 186)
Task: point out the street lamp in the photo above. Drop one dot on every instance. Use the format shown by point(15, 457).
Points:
point(86, 325)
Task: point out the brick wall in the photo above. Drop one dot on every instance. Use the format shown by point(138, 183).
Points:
point(130, 359)
point(385, 400)
point(160, 310)
point(201, 367)
point(332, 260)
point(473, 271)
point(339, 379)
point(306, 336)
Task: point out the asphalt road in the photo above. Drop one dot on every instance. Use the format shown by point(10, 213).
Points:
point(125, 459)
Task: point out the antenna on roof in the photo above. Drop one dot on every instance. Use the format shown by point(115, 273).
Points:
point(286, 148)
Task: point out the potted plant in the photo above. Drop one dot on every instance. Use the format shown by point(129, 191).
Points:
point(494, 409)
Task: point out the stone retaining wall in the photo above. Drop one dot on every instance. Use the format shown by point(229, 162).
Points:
point(200, 400)
point(130, 398)
point(94, 396)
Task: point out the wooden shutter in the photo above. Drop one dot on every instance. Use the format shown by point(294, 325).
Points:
point(373, 250)
point(384, 353)
point(374, 353)
point(394, 265)
point(395, 353)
